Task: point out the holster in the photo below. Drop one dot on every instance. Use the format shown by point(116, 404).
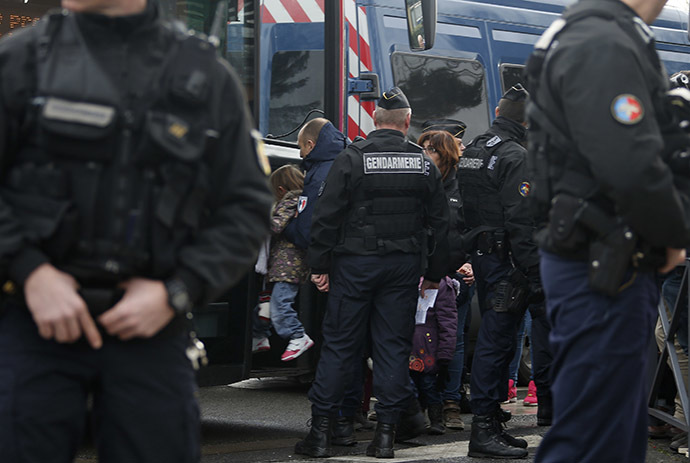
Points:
point(565, 233)
point(609, 258)
point(510, 294)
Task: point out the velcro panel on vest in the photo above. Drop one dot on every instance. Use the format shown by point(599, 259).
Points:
point(399, 205)
point(190, 78)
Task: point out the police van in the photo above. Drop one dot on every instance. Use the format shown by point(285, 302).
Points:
point(300, 59)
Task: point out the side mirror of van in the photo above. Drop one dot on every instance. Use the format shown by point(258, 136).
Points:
point(421, 23)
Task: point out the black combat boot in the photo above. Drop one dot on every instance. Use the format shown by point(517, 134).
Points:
point(411, 423)
point(382, 445)
point(507, 438)
point(344, 431)
point(436, 419)
point(545, 410)
point(318, 441)
point(486, 441)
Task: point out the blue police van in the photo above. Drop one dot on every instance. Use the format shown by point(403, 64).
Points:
point(298, 59)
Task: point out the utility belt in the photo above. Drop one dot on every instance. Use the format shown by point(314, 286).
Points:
point(578, 228)
point(493, 242)
point(98, 299)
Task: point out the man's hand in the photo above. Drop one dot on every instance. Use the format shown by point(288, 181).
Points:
point(141, 313)
point(321, 282)
point(674, 258)
point(57, 308)
point(426, 284)
point(467, 272)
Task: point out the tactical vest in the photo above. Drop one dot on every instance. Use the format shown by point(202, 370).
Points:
point(109, 191)
point(386, 214)
point(553, 166)
point(480, 197)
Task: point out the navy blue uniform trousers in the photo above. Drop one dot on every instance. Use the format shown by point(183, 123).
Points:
point(600, 347)
point(368, 292)
point(496, 341)
point(496, 344)
point(144, 406)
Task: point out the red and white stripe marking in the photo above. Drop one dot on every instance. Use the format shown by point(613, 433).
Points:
point(292, 11)
point(360, 115)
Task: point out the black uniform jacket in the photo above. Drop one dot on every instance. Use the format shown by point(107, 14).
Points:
point(507, 175)
point(594, 72)
point(131, 50)
point(332, 208)
point(456, 224)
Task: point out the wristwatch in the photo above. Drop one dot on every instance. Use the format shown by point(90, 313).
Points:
point(178, 296)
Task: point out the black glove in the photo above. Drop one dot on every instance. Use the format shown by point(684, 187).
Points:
point(535, 290)
point(443, 375)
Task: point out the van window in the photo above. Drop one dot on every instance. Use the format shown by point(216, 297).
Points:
point(511, 74)
point(442, 87)
point(296, 88)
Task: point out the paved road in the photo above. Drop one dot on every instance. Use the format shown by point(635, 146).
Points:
point(260, 421)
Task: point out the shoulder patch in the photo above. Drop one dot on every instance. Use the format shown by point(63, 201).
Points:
point(393, 163)
point(493, 142)
point(301, 203)
point(261, 157)
point(524, 189)
point(627, 109)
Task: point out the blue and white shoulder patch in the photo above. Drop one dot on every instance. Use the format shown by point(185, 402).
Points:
point(302, 203)
point(627, 109)
point(394, 163)
point(493, 142)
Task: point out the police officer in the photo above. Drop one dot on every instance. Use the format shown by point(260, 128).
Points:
point(370, 223)
point(505, 260)
point(614, 218)
point(129, 195)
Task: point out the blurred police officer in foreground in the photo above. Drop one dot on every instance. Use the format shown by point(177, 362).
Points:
point(367, 237)
point(597, 123)
point(493, 178)
point(129, 194)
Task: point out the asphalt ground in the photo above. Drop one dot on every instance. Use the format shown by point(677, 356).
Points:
point(259, 420)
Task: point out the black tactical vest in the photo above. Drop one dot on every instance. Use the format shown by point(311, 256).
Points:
point(480, 196)
point(109, 191)
point(387, 212)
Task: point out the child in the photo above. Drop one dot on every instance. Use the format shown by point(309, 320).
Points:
point(433, 346)
point(287, 269)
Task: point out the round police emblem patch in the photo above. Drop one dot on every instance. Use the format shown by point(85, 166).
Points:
point(627, 109)
point(524, 189)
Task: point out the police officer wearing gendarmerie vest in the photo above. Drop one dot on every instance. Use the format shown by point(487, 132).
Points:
point(129, 194)
point(505, 260)
point(598, 146)
point(368, 234)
